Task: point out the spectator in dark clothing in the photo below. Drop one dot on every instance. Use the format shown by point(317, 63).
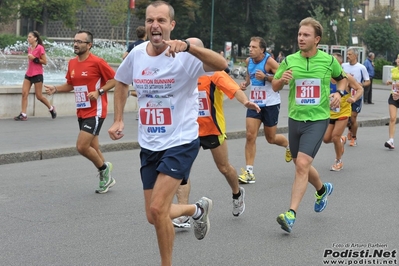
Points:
point(369, 64)
point(141, 36)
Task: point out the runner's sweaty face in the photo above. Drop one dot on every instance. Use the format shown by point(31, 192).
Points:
point(158, 25)
point(255, 52)
point(307, 39)
point(352, 57)
point(80, 44)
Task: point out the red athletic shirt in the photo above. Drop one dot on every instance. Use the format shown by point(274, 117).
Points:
point(33, 68)
point(87, 76)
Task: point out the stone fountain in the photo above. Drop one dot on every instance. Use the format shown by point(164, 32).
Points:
point(13, 64)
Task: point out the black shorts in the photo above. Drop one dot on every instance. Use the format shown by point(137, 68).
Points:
point(35, 79)
point(306, 136)
point(91, 125)
point(391, 101)
point(212, 141)
point(332, 121)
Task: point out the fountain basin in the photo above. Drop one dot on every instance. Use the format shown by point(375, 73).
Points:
point(12, 72)
point(10, 103)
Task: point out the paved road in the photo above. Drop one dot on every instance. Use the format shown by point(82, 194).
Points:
point(42, 138)
point(50, 215)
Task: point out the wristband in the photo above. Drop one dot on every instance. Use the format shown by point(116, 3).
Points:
point(188, 45)
point(36, 60)
point(341, 93)
point(101, 91)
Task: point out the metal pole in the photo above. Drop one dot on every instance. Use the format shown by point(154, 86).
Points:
point(350, 24)
point(213, 7)
point(128, 24)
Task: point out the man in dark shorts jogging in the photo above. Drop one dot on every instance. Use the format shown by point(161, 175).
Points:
point(308, 73)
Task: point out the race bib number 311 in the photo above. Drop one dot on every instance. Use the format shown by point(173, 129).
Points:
point(307, 91)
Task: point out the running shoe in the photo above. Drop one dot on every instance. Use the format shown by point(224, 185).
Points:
point(321, 201)
point(343, 141)
point(286, 220)
point(246, 177)
point(337, 166)
point(20, 117)
point(288, 156)
point(353, 142)
point(202, 224)
point(389, 145)
point(106, 180)
point(239, 204)
point(53, 113)
point(349, 136)
point(182, 222)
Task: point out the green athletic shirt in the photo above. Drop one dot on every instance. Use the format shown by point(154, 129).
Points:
point(310, 87)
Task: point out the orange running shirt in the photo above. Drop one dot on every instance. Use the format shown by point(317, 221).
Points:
point(211, 115)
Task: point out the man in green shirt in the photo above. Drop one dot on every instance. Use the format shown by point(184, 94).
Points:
point(308, 74)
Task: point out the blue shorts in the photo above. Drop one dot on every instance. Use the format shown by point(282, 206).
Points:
point(175, 162)
point(357, 106)
point(268, 115)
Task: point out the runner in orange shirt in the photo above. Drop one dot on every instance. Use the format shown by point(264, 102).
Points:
point(212, 129)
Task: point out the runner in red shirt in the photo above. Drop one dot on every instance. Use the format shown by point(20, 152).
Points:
point(90, 77)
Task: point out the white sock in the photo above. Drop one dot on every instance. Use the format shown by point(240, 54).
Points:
point(391, 140)
point(250, 169)
point(51, 108)
point(198, 212)
point(23, 114)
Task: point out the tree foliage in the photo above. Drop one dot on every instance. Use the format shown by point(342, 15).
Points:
point(8, 11)
point(277, 21)
point(114, 9)
point(42, 11)
point(291, 15)
point(381, 38)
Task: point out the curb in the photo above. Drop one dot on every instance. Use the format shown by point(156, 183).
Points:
point(28, 156)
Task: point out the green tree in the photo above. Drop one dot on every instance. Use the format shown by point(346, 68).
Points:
point(381, 39)
point(291, 14)
point(234, 20)
point(114, 10)
point(41, 11)
point(380, 34)
point(8, 11)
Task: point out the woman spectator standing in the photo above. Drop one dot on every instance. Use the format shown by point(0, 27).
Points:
point(34, 74)
point(393, 102)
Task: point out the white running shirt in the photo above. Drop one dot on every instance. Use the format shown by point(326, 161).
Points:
point(358, 71)
point(167, 95)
